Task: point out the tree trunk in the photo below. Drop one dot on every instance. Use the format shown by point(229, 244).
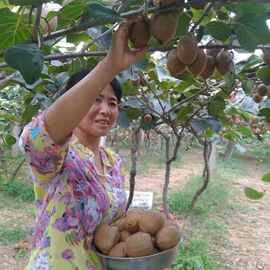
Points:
point(228, 151)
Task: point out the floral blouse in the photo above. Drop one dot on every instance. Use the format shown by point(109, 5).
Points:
point(70, 198)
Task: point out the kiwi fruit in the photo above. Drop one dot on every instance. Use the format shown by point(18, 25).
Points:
point(163, 26)
point(209, 68)
point(266, 56)
point(139, 33)
point(262, 90)
point(120, 223)
point(139, 244)
point(132, 221)
point(187, 49)
point(119, 250)
point(147, 118)
point(124, 235)
point(151, 222)
point(167, 237)
point(106, 237)
point(213, 51)
point(198, 66)
point(224, 62)
point(174, 65)
point(257, 98)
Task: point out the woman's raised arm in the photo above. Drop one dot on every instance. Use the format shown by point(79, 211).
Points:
point(68, 110)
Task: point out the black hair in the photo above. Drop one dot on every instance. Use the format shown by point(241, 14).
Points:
point(76, 77)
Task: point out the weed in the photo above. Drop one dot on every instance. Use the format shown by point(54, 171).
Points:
point(12, 235)
point(19, 190)
point(194, 256)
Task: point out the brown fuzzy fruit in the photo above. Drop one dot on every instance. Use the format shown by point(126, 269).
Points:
point(124, 235)
point(209, 68)
point(132, 221)
point(106, 237)
point(224, 62)
point(119, 250)
point(257, 98)
point(174, 65)
point(266, 56)
point(213, 51)
point(187, 49)
point(139, 33)
point(120, 223)
point(262, 90)
point(139, 244)
point(147, 118)
point(151, 222)
point(163, 26)
point(167, 237)
point(200, 63)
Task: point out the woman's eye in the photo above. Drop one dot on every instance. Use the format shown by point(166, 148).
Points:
point(98, 100)
point(113, 104)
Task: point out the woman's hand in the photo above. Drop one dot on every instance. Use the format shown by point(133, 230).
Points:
point(120, 56)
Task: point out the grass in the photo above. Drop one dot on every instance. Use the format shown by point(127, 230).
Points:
point(206, 222)
point(17, 189)
point(195, 256)
point(12, 235)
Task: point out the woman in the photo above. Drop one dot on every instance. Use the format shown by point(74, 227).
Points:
point(78, 184)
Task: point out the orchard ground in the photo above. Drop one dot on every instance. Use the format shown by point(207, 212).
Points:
point(225, 230)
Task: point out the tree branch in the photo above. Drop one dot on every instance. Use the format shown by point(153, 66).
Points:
point(4, 81)
point(206, 172)
point(133, 169)
point(37, 25)
point(88, 45)
point(205, 13)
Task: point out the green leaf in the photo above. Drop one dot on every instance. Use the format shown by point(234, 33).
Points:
point(252, 31)
point(219, 30)
point(29, 112)
point(130, 88)
point(71, 12)
point(13, 28)
point(265, 112)
point(247, 85)
point(99, 15)
point(28, 2)
point(184, 113)
point(253, 194)
point(264, 74)
point(9, 140)
point(183, 24)
point(216, 106)
point(266, 177)
point(246, 131)
point(28, 59)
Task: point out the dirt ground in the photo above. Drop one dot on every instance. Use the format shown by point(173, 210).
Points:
point(247, 243)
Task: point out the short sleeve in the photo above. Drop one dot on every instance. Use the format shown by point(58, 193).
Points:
point(45, 157)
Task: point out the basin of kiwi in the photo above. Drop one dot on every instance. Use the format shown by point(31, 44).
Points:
point(139, 233)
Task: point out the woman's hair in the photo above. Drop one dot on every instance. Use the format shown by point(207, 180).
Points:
point(76, 77)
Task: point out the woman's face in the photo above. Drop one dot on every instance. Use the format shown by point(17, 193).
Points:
point(102, 115)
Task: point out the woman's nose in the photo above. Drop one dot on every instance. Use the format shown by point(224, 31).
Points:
point(104, 107)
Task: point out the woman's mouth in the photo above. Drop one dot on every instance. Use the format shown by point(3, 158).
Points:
point(103, 122)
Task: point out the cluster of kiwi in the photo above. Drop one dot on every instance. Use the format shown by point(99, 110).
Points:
point(138, 233)
point(189, 57)
point(161, 26)
point(259, 92)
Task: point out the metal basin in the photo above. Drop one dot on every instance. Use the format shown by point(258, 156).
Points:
point(157, 261)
